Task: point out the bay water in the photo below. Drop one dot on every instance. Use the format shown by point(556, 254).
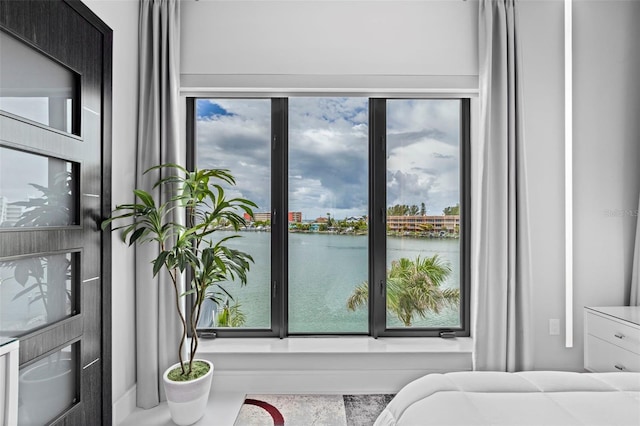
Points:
point(324, 269)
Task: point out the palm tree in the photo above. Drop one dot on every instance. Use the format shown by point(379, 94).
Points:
point(231, 315)
point(413, 288)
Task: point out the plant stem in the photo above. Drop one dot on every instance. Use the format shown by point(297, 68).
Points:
point(174, 280)
point(173, 273)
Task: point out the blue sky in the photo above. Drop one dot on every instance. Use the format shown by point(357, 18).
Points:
point(207, 109)
point(328, 138)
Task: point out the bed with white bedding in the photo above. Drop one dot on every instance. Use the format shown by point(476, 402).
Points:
point(524, 398)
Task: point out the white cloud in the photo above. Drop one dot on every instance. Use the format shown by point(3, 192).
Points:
point(328, 152)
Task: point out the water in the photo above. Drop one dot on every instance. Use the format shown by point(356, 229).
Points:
point(324, 269)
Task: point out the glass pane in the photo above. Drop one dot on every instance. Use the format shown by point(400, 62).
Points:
point(423, 213)
point(36, 190)
point(328, 199)
point(47, 388)
point(234, 134)
point(34, 86)
point(35, 291)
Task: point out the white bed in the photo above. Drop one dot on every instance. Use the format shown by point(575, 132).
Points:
point(525, 398)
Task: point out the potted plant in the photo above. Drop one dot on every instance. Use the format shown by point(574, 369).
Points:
point(189, 247)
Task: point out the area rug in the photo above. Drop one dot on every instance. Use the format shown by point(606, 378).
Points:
point(311, 410)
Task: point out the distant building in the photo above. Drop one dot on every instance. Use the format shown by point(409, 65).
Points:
point(3, 209)
point(423, 223)
point(9, 214)
point(259, 217)
point(266, 217)
point(295, 217)
point(355, 219)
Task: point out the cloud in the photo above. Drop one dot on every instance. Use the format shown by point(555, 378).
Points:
point(328, 145)
point(418, 118)
point(238, 140)
point(328, 152)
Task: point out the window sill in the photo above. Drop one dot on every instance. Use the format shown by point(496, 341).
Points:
point(336, 345)
point(330, 364)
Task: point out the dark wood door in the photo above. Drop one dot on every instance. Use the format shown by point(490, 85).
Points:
point(55, 105)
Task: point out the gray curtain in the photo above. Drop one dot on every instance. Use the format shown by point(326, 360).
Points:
point(157, 325)
point(502, 328)
point(634, 300)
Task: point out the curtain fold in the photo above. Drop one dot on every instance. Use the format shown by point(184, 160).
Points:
point(158, 142)
point(634, 299)
point(500, 254)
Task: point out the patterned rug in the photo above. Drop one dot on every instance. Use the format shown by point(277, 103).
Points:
point(311, 410)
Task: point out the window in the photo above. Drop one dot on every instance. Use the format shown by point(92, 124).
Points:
point(362, 218)
point(37, 291)
point(38, 88)
point(328, 174)
point(37, 191)
point(234, 134)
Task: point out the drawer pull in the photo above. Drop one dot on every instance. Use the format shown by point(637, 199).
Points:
point(619, 367)
point(619, 335)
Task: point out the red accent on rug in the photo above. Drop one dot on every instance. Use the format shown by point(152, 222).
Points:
point(278, 420)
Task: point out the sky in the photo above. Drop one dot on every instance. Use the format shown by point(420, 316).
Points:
point(328, 152)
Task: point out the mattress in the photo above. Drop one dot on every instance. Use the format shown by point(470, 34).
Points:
point(524, 398)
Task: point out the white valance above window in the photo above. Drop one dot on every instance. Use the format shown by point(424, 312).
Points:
point(358, 46)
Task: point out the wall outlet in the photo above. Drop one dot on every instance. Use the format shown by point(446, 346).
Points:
point(554, 327)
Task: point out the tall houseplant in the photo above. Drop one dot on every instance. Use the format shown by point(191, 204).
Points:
point(189, 246)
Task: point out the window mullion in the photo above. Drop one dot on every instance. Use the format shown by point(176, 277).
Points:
point(377, 216)
point(279, 221)
point(465, 211)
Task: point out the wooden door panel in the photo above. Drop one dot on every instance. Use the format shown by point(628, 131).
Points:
point(68, 33)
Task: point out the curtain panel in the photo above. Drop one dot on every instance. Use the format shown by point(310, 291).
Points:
point(158, 142)
point(634, 299)
point(500, 254)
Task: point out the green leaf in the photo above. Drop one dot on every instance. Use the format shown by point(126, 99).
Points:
point(145, 197)
point(136, 235)
point(158, 262)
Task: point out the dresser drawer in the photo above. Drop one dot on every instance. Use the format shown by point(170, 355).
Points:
point(601, 356)
point(614, 332)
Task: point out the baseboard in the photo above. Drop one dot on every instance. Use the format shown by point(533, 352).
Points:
point(124, 406)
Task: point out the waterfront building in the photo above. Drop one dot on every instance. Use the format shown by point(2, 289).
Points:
point(266, 217)
point(261, 216)
point(295, 217)
point(449, 223)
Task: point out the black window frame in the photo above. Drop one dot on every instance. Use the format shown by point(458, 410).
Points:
point(377, 223)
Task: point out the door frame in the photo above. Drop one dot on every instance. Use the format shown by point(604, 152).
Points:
point(26, 23)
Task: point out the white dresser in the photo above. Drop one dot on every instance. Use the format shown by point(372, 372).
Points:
point(9, 381)
point(612, 338)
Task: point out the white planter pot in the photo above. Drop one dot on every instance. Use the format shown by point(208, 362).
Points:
point(187, 400)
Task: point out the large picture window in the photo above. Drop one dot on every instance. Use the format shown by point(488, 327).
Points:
point(362, 218)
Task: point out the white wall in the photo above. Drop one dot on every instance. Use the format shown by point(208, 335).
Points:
point(425, 38)
point(320, 43)
point(606, 153)
point(122, 17)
